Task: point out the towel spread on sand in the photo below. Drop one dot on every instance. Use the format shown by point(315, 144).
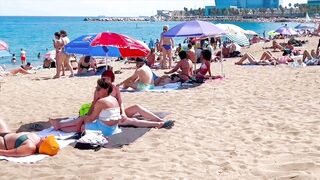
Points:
point(127, 136)
point(130, 134)
point(62, 139)
point(164, 88)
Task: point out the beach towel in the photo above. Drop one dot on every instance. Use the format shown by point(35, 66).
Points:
point(164, 88)
point(126, 137)
point(62, 139)
point(130, 134)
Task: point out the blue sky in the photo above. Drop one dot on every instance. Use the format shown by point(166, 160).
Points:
point(99, 7)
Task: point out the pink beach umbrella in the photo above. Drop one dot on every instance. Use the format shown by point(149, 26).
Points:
point(4, 46)
point(50, 55)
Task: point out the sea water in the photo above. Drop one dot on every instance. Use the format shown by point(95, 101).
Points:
point(35, 34)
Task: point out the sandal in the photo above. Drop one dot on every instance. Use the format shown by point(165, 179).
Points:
point(168, 124)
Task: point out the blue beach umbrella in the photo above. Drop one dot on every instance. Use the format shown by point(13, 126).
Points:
point(194, 29)
point(81, 45)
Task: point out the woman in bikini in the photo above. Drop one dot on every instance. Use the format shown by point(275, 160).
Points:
point(128, 113)
point(85, 64)
point(205, 65)
point(25, 143)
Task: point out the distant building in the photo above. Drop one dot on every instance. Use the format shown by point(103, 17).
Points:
point(164, 13)
point(314, 2)
point(208, 10)
point(221, 4)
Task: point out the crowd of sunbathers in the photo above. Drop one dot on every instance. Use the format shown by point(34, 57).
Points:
point(290, 54)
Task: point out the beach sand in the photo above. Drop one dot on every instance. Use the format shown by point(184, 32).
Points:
point(260, 122)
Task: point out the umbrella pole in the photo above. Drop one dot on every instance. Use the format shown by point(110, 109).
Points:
point(221, 64)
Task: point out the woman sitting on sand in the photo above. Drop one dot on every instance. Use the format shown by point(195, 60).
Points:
point(85, 63)
point(266, 59)
point(129, 112)
point(105, 115)
point(312, 58)
point(25, 143)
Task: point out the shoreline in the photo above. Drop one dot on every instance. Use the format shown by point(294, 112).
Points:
point(211, 19)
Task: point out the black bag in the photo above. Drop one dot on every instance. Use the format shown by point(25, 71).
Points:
point(87, 146)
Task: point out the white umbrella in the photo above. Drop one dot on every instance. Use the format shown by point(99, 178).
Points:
point(231, 28)
point(250, 32)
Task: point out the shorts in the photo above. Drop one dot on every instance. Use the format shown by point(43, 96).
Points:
point(144, 87)
point(23, 58)
point(106, 130)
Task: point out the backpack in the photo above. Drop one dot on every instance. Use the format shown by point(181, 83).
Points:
point(91, 140)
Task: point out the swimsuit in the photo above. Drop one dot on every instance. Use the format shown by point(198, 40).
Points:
point(167, 46)
point(20, 140)
point(154, 76)
point(111, 114)
point(143, 87)
point(85, 67)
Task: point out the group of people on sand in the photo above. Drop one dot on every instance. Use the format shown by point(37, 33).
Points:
point(144, 79)
point(106, 114)
point(62, 58)
point(289, 55)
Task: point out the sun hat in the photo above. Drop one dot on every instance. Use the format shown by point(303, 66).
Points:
point(49, 146)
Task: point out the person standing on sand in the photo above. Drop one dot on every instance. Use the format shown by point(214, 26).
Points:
point(64, 59)
point(58, 44)
point(166, 45)
point(23, 56)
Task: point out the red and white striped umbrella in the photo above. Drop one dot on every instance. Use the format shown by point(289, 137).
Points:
point(4, 46)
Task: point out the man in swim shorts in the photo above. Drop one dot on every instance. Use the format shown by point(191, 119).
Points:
point(142, 79)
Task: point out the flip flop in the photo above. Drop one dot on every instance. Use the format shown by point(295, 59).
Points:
point(168, 124)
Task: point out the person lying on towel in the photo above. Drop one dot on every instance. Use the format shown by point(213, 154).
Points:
point(25, 143)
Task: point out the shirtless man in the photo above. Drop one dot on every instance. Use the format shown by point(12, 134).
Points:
point(167, 45)
point(141, 80)
point(185, 65)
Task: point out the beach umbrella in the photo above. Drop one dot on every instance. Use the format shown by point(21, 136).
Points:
point(194, 28)
point(238, 38)
point(285, 30)
point(273, 33)
point(4, 45)
point(250, 32)
point(107, 44)
point(231, 28)
point(50, 54)
point(305, 26)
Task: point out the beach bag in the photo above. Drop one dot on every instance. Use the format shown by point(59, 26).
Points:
point(91, 140)
point(84, 109)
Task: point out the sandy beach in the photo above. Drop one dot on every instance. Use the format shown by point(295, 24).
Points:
point(260, 122)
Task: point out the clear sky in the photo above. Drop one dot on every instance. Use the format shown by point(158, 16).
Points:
point(99, 7)
point(94, 7)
